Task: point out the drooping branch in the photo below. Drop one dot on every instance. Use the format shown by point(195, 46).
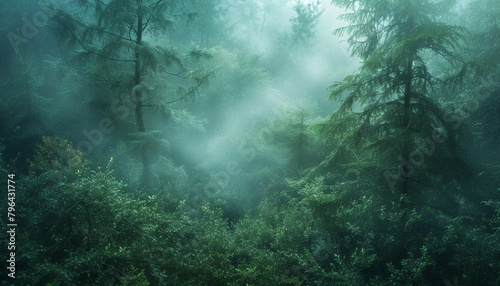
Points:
point(153, 10)
point(96, 53)
point(102, 30)
point(200, 83)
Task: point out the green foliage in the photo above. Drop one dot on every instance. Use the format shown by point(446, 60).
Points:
point(388, 108)
point(301, 140)
point(388, 112)
point(124, 66)
point(78, 217)
point(478, 245)
point(56, 154)
point(290, 45)
point(209, 22)
point(87, 229)
point(480, 18)
point(147, 141)
point(304, 23)
point(294, 202)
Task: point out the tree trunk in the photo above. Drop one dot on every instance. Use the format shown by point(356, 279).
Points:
point(138, 94)
point(407, 135)
point(407, 145)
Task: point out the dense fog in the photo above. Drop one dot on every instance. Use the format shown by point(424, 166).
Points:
point(252, 142)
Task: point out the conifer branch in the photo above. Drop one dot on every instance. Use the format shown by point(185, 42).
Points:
point(152, 12)
point(192, 90)
point(96, 53)
point(113, 34)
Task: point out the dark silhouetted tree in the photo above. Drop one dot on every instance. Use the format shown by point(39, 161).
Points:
point(129, 61)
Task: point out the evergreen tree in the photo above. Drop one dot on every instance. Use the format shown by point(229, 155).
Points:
point(304, 23)
point(398, 148)
point(129, 63)
point(210, 23)
point(304, 149)
point(290, 45)
point(387, 107)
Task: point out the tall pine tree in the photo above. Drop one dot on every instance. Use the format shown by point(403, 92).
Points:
point(388, 111)
point(129, 62)
point(398, 149)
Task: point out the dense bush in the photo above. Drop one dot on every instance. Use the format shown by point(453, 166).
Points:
point(83, 228)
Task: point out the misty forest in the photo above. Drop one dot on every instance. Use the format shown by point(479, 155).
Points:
point(250, 142)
